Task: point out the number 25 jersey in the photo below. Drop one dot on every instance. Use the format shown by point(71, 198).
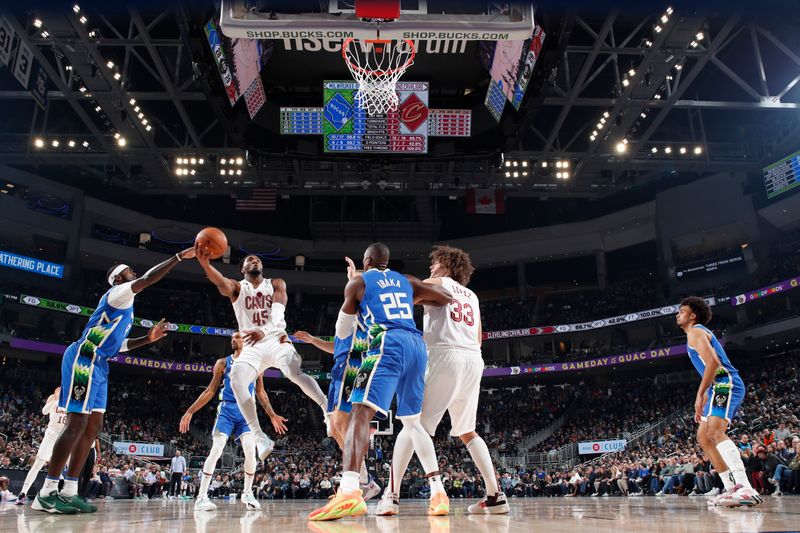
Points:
point(388, 302)
point(455, 325)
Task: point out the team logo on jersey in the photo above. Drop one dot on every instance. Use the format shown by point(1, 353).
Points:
point(78, 391)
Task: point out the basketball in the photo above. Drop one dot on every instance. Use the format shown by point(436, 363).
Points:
point(213, 240)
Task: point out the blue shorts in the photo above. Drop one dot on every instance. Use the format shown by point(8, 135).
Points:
point(84, 380)
point(343, 376)
point(725, 397)
point(397, 365)
point(230, 420)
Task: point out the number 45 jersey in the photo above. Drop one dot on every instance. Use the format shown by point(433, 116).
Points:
point(455, 325)
point(254, 305)
point(388, 302)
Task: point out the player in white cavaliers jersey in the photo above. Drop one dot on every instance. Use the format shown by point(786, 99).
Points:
point(259, 304)
point(58, 417)
point(453, 335)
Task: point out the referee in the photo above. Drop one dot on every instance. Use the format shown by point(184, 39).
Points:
point(178, 468)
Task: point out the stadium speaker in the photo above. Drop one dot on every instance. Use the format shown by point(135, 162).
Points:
point(144, 240)
point(299, 262)
point(226, 256)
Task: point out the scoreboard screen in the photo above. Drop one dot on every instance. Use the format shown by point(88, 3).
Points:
point(347, 128)
point(783, 175)
point(301, 121)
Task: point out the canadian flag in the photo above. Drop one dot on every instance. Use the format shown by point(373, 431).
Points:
point(485, 202)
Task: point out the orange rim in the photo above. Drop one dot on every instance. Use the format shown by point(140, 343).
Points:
point(361, 69)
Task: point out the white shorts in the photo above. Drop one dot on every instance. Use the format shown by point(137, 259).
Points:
point(45, 451)
point(268, 353)
point(452, 384)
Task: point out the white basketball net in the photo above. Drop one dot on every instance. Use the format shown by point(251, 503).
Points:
point(377, 65)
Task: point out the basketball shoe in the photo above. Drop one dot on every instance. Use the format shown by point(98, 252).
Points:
point(496, 504)
point(740, 496)
point(341, 505)
point(264, 446)
point(202, 503)
point(371, 489)
point(439, 505)
point(250, 501)
point(389, 505)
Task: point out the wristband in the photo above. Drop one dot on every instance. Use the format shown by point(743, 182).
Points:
point(178, 257)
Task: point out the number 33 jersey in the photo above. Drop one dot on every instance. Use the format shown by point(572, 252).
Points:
point(455, 325)
point(388, 302)
point(254, 305)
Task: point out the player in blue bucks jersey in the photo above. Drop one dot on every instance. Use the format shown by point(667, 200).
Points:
point(347, 353)
point(394, 364)
point(718, 398)
point(84, 380)
point(230, 423)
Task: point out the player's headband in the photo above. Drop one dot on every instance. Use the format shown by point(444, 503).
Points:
point(116, 272)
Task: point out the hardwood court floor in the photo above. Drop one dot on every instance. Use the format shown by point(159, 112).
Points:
point(550, 515)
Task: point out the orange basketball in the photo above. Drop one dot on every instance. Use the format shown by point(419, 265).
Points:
point(213, 240)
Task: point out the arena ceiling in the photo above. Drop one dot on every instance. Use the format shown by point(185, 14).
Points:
point(131, 90)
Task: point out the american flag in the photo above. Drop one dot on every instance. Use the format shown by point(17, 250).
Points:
point(257, 200)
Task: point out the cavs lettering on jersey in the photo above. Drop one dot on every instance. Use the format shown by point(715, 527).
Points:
point(252, 307)
point(455, 325)
point(58, 416)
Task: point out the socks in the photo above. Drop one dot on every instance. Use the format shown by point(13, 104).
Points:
point(480, 456)
point(248, 481)
point(50, 484)
point(349, 482)
point(363, 476)
point(403, 451)
point(423, 445)
point(730, 454)
point(727, 482)
point(205, 481)
point(70, 487)
point(436, 485)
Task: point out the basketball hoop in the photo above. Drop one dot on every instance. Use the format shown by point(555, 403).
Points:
point(377, 65)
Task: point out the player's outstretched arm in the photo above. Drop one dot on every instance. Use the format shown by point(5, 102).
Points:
point(278, 422)
point(429, 293)
point(699, 340)
point(226, 286)
point(155, 274)
point(353, 293)
point(325, 346)
point(205, 396)
point(157, 332)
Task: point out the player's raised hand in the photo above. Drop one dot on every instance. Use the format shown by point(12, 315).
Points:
point(202, 253)
point(303, 336)
point(278, 424)
point(186, 419)
point(158, 331)
point(252, 336)
point(188, 253)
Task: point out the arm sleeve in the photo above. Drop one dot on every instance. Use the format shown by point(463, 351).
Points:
point(49, 405)
point(121, 296)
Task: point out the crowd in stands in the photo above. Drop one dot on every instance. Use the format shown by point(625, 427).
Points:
point(306, 464)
